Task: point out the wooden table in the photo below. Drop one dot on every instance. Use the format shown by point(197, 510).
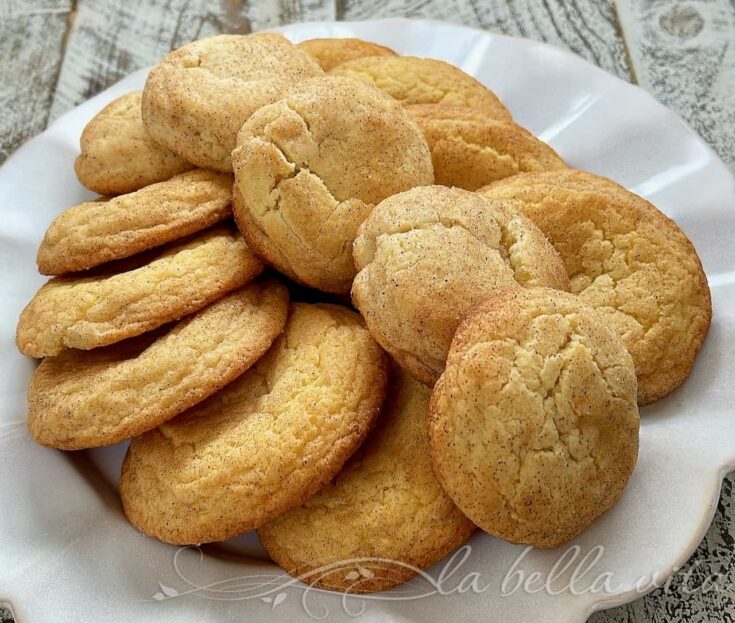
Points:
point(58, 53)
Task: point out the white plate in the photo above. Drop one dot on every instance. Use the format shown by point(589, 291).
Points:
point(66, 551)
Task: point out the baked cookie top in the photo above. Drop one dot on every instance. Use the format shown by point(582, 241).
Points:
point(414, 80)
point(469, 149)
point(332, 52)
point(126, 299)
point(629, 261)
point(197, 98)
point(96, 232)
point(385, 511)
point(309, 169)
point(425, 256)
point(117, 153)
point(89, 399)
point(268, 441)
point(534, 422)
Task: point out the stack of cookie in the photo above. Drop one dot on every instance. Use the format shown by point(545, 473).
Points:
point(510, 312)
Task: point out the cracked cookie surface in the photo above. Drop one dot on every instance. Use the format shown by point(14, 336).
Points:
point(266, 442)
point(197, 98)
point(629, 261)
point(469, 149)
point(310, 168)
point(414, 80)
point(533, 425)
point(87, 311)
point(425, 256)
point(89, 399)
point(96, 232)
point(384, 506)
point(117, 153)
point(332, 52)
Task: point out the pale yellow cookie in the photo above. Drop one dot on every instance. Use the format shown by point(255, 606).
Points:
point(627, 260)
point(427, 255)
point(534, 422)
point(101, 231)
point(100, 309)
point(265, 443)
point(385, 512)
point(469, 149)
point(332, 52)
point(117, 153)
point(413, 80)
point(88, 399)
point(197, 98)
point(310, 168)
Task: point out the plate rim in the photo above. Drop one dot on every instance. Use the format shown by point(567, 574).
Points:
point(723, 467)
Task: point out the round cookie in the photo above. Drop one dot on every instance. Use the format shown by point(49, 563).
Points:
point(310, 168)
point(384, 507)
point(265, 443)
point(627, 260)
point(470, 149)
point(96, 232)
point(89, 399)
point(96, 310)
point(533, 425)
point(413, 80)
point(427, 255)
point(117, 153)
point(332, 52)
point(197, 98)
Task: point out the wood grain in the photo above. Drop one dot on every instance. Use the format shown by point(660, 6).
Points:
point(588, 28)
point(28, 73)
point(110, 39)
point(684, 53)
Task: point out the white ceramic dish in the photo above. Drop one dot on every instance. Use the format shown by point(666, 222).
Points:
point(66, 551)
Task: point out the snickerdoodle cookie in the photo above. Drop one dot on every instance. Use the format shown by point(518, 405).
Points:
point(385, 512)
point(101, 231)
point(86, 311)
point(627, 260)
point(427, 255)
point(310, 168)
point(469, 149)
point(413, 80)
point(88, 399)
point(265, 443)
point(332, 52)
point(197, 98)
point(534, 422)
point(117, 153)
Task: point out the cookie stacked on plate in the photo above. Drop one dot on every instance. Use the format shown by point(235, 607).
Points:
point(510, 312)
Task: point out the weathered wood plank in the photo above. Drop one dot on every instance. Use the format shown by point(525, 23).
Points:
point(684, 53)
point(110, 39)
point(31, 38)
point(588, 28)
